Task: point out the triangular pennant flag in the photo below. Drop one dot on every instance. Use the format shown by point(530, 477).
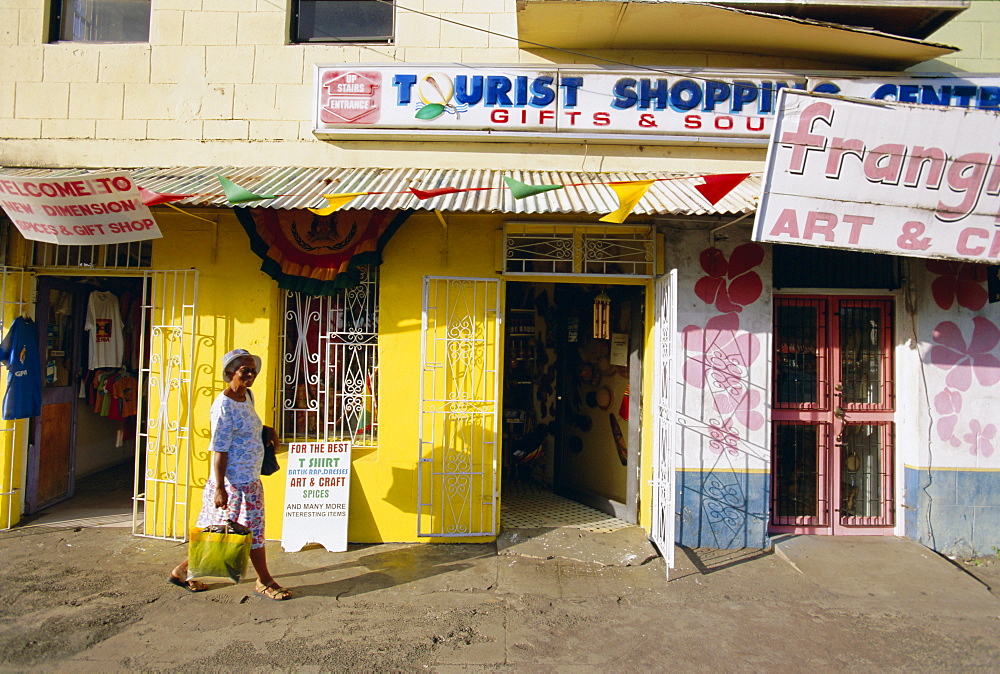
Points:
point(718, 186)
point(437, 192)
point(629, 194)
point(336, 202)
point(151, 198)
point(519, 190)
point(240, 195)
point(441, 191)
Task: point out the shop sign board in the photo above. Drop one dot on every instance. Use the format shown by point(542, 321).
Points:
point(81, 210)
point(317, 493)
point(895, 178)
point(491, 103)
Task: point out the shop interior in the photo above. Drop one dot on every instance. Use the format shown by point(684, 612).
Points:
point(572, 352)
point(82, 447)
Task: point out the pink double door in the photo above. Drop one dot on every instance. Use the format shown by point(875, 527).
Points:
point(832, 448)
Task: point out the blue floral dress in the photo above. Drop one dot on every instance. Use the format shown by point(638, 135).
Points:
point(236, 430)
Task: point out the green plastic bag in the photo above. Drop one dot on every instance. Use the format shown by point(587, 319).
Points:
point(214, 556)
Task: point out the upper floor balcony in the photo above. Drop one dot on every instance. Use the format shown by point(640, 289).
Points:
point(877, 34)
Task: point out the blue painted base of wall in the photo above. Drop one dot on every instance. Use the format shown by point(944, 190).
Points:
point(722, 509)
point(956, 512)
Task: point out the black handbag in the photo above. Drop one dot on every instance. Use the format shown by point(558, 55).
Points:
point(270, 464)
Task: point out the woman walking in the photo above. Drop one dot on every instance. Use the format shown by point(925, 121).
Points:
point(234, 484)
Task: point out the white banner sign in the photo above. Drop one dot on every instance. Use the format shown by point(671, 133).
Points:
point(652, 105)
point(316, 495)
point(82, 210)
point(887, 177)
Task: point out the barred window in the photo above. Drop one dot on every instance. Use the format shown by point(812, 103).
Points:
point(342, 21)
point(100, 21)
point(329, 383)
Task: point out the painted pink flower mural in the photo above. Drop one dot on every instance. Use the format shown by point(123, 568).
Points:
point(981, 438)
point(724, 354)
point(720, 353)
point(965, 360)
point(744, 408)
point(948, 404)
point(961, 281)
point(731, 284)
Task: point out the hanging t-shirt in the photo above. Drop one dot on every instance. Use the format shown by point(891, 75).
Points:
point(104, 323)
point(19, 352)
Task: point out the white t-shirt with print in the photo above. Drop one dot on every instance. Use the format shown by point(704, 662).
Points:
point(236, 430)
point(104, 323)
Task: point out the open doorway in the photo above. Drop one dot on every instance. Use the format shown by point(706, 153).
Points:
point(81, 453)
point(567, 405)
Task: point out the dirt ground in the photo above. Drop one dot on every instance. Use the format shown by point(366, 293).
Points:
point(96, 599)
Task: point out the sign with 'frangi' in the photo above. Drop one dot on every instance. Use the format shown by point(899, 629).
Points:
point(82, 210)
point(317, 492)
point(885, 177)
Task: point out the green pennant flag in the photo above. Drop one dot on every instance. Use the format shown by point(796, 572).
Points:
point(519, 190)
point(240, 195)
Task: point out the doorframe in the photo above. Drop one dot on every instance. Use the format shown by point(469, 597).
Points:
point(43, 283)
point(16, 288)
point(628, 511)
point(833, 528)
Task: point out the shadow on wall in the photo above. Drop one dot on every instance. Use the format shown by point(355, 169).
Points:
point(722, 508)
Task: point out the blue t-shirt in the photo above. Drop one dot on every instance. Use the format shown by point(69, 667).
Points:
point(236, 430)
point(19, 352)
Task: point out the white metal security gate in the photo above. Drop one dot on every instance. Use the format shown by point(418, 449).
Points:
point(665, 434)
point(459, 390)
point(329, 378)
point(163, 443)
point(13, 302)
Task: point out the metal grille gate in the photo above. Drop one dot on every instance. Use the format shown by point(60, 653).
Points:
point(665, 440)
point(459, 390)
point(13, 302)
point(161, 506)
point(329, 375)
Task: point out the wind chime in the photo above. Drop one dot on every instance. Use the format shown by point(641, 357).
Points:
point(602, 316)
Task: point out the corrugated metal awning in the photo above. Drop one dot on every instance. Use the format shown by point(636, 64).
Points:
point(585, 193)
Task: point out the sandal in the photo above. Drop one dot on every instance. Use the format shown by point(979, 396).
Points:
point(271, 591)
point(189, 585)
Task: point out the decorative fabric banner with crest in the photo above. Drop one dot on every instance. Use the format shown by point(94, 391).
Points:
point(317, 254)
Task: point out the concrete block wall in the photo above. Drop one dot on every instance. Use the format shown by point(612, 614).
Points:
point(212, 71)
point(217, 74)
point(975, 30)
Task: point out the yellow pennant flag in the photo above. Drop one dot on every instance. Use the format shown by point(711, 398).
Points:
point(629, 195)
point(336, 202)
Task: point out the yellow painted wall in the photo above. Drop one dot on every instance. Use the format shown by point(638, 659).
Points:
point(235, 306)
point(239, 306)
point(384, 491)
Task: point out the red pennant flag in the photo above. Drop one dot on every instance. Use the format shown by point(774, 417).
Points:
point(151, 198)
point(718, 186)
point(441, 191)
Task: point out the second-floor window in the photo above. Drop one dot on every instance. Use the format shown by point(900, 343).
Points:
point(342, 21)
point(100, 21)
